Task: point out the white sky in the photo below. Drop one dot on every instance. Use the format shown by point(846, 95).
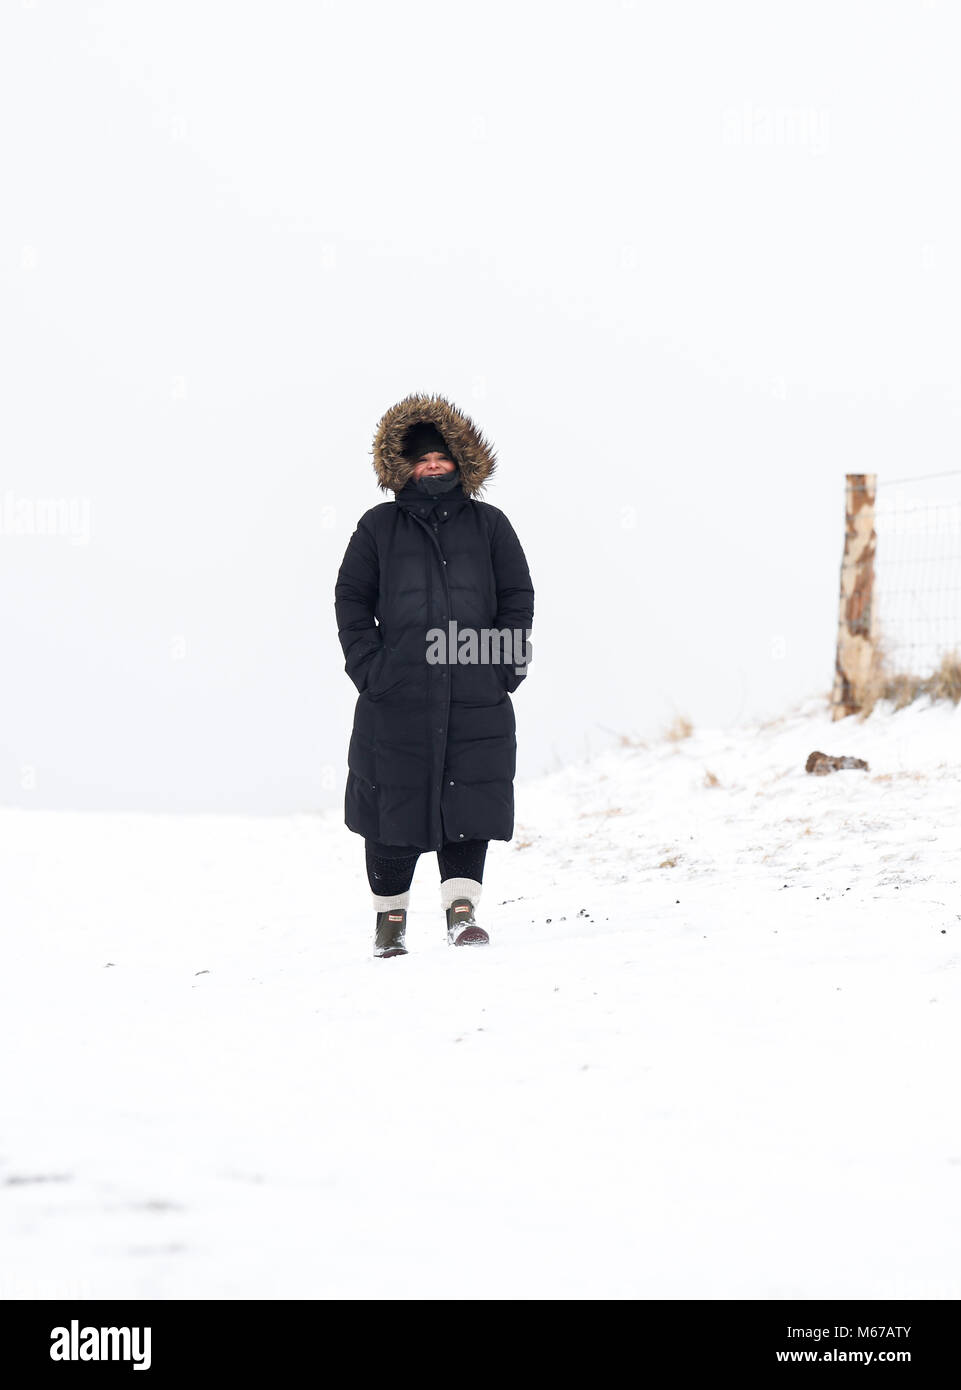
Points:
point(685, 265)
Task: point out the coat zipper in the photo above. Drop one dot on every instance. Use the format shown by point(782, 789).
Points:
point(429, 529)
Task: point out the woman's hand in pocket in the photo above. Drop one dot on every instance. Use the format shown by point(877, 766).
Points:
point(374, 668)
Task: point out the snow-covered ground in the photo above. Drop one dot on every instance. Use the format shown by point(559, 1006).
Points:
point(712, 1051)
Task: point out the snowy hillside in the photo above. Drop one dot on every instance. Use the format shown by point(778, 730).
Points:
point(711, 1053)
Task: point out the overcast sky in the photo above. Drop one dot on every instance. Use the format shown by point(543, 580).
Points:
point(685, 265)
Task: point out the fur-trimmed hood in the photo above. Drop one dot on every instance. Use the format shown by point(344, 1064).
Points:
point(469, 449)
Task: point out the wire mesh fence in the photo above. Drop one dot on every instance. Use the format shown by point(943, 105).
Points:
point(917, 582)
point(899, 626)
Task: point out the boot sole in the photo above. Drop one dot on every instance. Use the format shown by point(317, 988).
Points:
point(393, 951)
point(473, 936)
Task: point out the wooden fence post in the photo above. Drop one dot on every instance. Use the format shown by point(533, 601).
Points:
point(856, 621)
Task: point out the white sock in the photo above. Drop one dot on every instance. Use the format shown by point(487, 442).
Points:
point(382, 904)
point(452, 888)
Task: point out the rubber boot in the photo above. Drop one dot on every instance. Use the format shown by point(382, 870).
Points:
point(463, 928)
point(390, 933)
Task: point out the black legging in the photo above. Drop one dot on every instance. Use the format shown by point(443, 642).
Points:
point(390, 868)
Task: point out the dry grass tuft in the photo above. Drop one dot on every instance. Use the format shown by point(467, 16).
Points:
point(624, 740)
point(681, 728)
point(945, 684)
point(903, 690)
point(710, 780)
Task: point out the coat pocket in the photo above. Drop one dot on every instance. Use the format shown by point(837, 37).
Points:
point(383, 677)
point(373, 671)
point(505, 677)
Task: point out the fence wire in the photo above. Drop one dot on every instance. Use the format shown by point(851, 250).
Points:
point(917, 576)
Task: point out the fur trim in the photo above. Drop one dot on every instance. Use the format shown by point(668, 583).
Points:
point(471, 451)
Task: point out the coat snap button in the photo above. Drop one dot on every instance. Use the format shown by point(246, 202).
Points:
point(461, 835)
point(450, 784)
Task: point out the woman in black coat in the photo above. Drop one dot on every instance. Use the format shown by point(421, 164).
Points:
point(434, 608)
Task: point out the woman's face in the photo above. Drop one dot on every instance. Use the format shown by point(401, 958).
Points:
point(432, 465)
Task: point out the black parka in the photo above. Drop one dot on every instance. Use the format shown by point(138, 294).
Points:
point(433, 748)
